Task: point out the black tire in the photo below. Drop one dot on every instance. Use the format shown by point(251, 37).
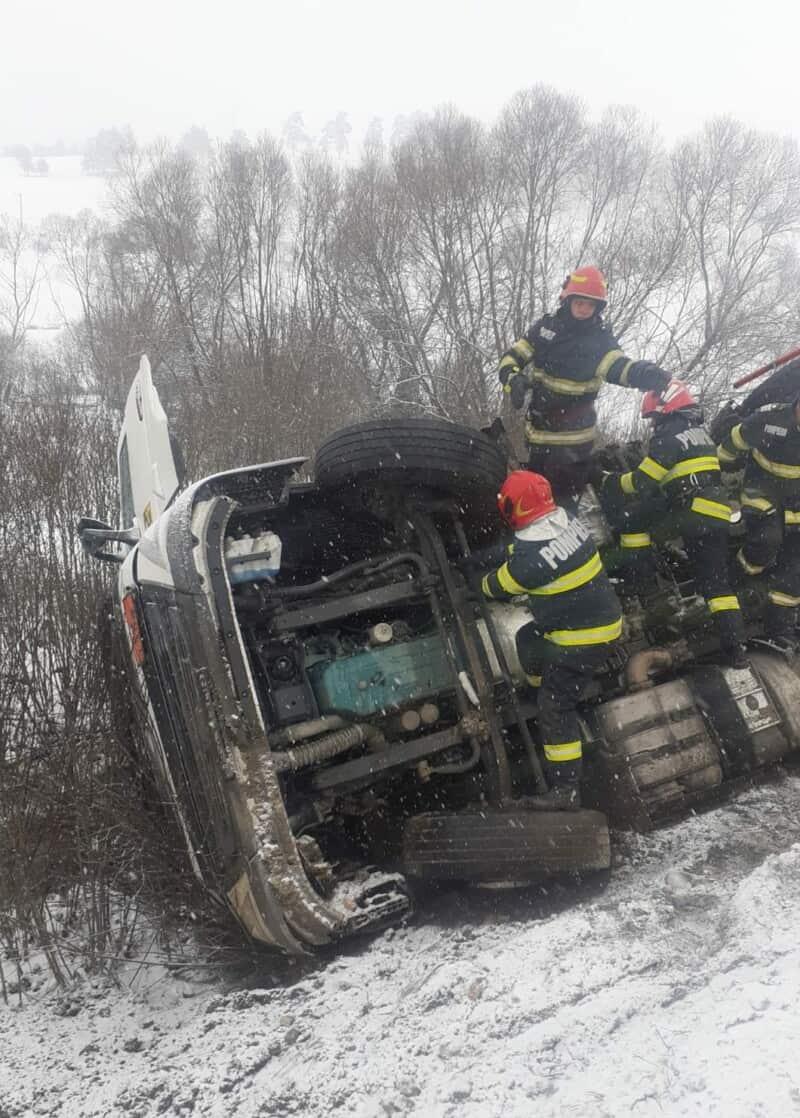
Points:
point(445, 457)
point(514, 846)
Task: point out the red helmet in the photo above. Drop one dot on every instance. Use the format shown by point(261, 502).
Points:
point(674, 397)
point(525, 497)
point(588, 283)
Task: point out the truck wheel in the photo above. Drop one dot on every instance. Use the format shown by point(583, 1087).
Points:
point(433, 453)
point(509, 846)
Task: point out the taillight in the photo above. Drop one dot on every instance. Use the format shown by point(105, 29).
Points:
point(132, 619)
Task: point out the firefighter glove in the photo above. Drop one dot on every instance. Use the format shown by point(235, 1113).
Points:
point(519, 386)
point(656, 379)
point(506, 372)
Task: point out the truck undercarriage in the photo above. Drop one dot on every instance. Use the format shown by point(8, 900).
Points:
point(344, 713)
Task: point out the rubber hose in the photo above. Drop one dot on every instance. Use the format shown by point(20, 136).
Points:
point(325, 748)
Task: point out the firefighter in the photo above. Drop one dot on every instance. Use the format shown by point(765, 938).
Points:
point(678, 485)
point(781, 387)
point(770, 500)
point(576, 620)
point(571, 354)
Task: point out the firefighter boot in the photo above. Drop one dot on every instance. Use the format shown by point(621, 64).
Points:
point(562, 797)
point(734, 657)
point(564, 793)
point(779, 629)
point(730, 631)
point(639, 579)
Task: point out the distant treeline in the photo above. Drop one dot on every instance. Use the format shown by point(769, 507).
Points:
point(279, 289)
point(14, 151)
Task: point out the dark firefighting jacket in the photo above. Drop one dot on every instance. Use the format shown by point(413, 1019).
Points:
point(571, 361)
point(771, 441)
point(782, 387)
point(680, 473)
point(554, 561)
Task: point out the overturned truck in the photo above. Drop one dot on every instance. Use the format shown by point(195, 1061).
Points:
point(334, 713)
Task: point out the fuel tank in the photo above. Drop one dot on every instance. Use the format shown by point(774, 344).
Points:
point(669, 748)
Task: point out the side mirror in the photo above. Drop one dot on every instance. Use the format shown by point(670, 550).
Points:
point(95, 534)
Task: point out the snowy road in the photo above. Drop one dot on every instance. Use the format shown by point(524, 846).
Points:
point(674, 991)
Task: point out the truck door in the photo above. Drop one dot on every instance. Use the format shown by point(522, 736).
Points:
point(148, 472)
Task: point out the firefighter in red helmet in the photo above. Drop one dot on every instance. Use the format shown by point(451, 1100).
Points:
point(563, 361)
point(576, 620)
point(677, 485)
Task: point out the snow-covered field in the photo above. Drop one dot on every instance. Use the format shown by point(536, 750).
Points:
point(64, 190)
point(32, 198)
point(673, 991)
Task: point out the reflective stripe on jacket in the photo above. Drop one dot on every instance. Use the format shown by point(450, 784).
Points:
point(682, 464)
point(554, 562)
point(568, 363)
point(769, 443)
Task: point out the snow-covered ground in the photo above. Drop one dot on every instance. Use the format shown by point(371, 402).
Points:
point(673, 991)
point(32, 198)
point(63, 190)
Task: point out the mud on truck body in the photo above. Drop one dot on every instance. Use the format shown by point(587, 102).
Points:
point(333, 712)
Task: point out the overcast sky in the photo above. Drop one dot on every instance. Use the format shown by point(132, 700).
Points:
point(72, 68)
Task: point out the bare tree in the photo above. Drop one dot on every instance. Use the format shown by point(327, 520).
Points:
point(395, 283)
point(105, 149)
point(628, 226)
point(373, 137)
point(249, 193)
point(20, 275)
point(159, 204)
point(447, 172)
point(77, 245)
point(195, 142)
point(335, 134)
point(738, 192)
point(295, 135)
point(542, 135)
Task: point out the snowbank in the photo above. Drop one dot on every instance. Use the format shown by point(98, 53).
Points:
point(674, 991)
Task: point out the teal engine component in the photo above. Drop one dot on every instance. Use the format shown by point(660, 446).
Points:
point(380, 680)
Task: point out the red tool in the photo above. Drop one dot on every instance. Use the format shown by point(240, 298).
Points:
point(776, 364)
